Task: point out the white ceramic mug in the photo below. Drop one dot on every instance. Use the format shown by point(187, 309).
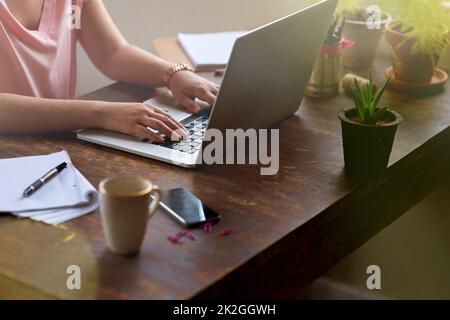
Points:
point(126, 206)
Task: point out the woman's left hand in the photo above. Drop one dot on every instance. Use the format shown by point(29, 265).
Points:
point(186, 86)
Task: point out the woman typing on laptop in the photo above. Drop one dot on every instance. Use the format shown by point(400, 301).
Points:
point(38, 72)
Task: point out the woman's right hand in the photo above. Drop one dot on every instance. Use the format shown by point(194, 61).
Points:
point(135, 119)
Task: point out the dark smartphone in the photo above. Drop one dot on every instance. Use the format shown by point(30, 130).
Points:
point(186, 208)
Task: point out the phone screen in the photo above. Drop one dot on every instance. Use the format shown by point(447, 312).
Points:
point(186, 208)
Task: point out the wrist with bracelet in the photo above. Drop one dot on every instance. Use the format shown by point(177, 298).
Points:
point(174, 69)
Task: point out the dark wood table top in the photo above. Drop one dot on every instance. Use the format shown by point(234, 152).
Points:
point(288, 229)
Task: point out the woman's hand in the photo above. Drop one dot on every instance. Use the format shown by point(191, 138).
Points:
point(186, 86)
point(135, 119)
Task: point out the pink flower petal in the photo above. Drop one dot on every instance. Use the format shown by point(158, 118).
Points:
point(207, 227)
point(190, 236)
point(182, 234)
point(175, 240)
point(226, 232)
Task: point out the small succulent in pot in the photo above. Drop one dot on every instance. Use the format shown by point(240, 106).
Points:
point(368, 132)
point(366, 102)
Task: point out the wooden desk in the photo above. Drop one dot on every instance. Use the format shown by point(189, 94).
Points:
point(289, 229)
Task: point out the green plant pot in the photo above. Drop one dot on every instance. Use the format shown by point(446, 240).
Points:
point(366, 41)
point(367, 148)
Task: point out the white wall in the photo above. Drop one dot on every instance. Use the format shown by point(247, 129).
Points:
point(143, 20)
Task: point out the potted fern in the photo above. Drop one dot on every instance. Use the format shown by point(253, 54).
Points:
point(368, 132)
point(417, 38)
point(444, 62)
point(364, 26)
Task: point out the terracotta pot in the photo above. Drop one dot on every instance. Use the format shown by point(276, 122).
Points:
point(412, 68)
point(367, 149)
point(366, 41)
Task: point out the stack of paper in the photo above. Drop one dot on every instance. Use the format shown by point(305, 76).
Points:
point(209, 51)
point(67, 196)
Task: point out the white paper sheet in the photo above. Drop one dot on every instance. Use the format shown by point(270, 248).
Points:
point(67, 196)
point(209, 50)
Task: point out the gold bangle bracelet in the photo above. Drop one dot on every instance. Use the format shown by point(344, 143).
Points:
point(174, 69)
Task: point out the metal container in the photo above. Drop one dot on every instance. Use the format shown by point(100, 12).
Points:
point(324, 82)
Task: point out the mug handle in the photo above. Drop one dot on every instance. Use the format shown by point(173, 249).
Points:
point(156, 196)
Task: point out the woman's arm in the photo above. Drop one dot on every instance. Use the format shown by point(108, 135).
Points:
point(119, 60)
point(22, 114)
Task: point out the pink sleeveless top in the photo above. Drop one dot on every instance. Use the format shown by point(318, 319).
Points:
point(39, 63)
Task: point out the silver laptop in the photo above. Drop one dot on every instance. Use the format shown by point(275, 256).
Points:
point(264, 82)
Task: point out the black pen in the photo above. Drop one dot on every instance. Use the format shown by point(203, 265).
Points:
point(45, 178)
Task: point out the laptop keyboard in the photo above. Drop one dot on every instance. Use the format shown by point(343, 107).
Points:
point(196, 127)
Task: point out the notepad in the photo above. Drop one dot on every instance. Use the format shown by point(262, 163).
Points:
point(209, 51)
point(67, 196)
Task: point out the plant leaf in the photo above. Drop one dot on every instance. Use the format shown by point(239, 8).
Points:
point(370, 87)
point(362, 97)
point(380, 93)
point(359, 103)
